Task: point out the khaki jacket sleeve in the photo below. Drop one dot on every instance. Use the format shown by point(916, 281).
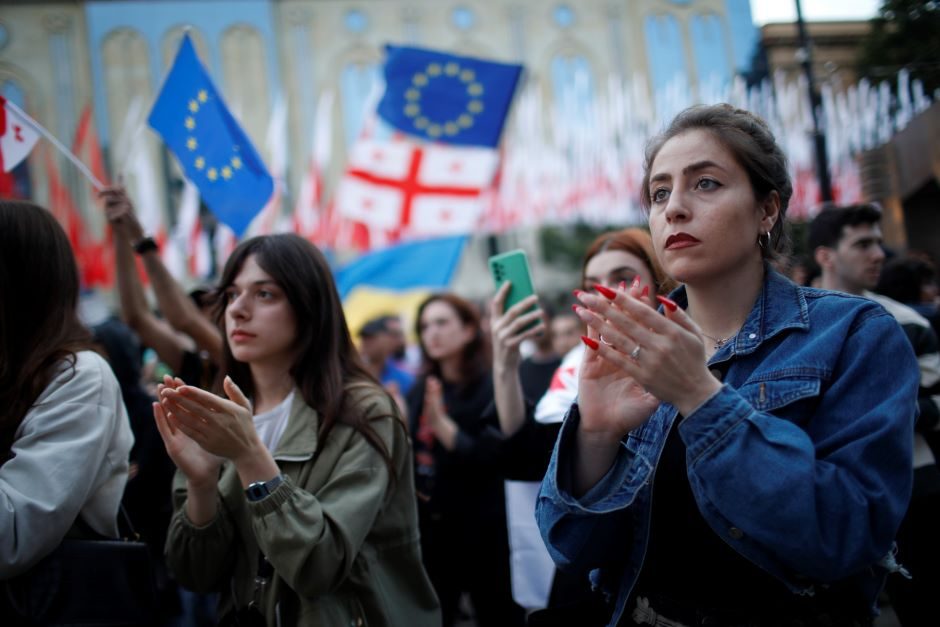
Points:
point(201, 558)
point(312, 540)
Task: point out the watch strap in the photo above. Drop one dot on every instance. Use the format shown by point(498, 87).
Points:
point(145, 244)
point(260, 489)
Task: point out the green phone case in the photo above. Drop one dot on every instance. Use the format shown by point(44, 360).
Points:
point(512, 266)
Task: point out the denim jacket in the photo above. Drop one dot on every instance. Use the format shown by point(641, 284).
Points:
point(801, 462)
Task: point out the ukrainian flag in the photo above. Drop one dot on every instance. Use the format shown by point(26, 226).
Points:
point(395, 280)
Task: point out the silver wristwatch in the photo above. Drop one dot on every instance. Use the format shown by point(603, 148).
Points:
point(260, 489)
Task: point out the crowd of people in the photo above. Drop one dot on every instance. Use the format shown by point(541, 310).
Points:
point(701, 437)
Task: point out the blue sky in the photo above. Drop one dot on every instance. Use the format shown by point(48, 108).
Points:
point(765, 11)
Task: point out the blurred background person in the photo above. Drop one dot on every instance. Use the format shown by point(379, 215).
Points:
point(459, 453)
point(847, 244)
point(380, 341)
point(185, 338)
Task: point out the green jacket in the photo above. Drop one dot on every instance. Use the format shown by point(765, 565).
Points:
point(341, 534)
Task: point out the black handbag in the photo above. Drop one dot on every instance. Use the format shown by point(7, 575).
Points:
point(87, 582)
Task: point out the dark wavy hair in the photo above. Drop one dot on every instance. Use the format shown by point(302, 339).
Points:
point(39, 325)
point(327, 365)
point(751, 142)
point(637, 242)
point(475, 355)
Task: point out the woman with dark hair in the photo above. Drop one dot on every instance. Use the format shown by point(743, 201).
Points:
point(612, 258)
point(459, 454)
point(64, 432)
point(294, 498)
point(743, 455)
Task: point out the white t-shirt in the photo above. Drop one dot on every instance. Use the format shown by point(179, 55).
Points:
point(271, 424)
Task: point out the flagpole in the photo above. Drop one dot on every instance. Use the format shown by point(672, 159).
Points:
point(39, 128)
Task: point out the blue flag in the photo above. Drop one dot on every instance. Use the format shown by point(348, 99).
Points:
point(397, 280)
point(445, 97)
point(213, 150)
point(419, 264)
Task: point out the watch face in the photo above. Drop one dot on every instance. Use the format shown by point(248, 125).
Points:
point(257, 491)
point(260, 489)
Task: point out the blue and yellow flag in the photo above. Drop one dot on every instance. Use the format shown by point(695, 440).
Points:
point(445, 97)
point(213, 150)
point(395, 280)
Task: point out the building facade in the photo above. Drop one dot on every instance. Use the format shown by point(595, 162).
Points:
point(266, 56)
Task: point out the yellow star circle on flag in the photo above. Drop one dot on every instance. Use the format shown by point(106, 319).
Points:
point(190, 123)
point(226, 173)
point(191, 143)
point(236, 162)
point(193, 106)
point(212, 174)
point(203, 95)
point(200, 163)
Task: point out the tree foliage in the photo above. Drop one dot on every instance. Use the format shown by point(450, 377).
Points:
point(905, 34)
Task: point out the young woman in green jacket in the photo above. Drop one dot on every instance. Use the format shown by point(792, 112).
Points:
point(302, 476)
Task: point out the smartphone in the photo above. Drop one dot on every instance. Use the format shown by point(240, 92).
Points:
point(513, 266)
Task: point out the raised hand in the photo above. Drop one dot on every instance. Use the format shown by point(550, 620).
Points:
point(508, 328)
point(200, 467)
point(443, 426)
point(223, 427)
point(119, 210)
point(665, 354)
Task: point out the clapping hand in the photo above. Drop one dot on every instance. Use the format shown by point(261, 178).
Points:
point(200, 467)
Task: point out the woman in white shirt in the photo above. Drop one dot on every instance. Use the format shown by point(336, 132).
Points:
point(64, 433)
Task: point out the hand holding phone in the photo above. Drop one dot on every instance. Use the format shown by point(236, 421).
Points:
point(513, 266)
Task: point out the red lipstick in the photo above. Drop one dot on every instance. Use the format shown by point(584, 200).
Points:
point(680, 240)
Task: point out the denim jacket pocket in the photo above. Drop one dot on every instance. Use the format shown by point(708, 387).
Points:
point(769, 394)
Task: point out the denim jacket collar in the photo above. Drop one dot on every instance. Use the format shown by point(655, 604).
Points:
point(779, 306)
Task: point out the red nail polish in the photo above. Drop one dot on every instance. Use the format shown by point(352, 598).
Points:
point(646, 291)
point(589, 342)
point(577, 293)
point(606, 292)
point(576, 308)
point(623, 286)
point(636, 282)
point(668, 304)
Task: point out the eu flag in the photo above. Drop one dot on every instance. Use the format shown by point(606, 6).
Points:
point(445, 97)
point(213, 150)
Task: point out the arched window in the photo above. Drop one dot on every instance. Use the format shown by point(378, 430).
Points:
point(665, 51)
point(244, 55)
point(572, 89)
point(357, 84)
point(171, 44)
point(710, 50)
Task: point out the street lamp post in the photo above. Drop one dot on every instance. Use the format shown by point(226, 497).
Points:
point(819, 135)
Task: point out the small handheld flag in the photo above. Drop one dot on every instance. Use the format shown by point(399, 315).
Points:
point(17, 135)
point(445, 97)
point(213, 150)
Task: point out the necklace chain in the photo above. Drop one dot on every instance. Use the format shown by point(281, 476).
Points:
point(719, 342)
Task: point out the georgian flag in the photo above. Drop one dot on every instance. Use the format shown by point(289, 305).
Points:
point(17, 135)
point(415, 190)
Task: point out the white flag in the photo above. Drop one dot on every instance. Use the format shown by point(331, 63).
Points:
point(18, 135)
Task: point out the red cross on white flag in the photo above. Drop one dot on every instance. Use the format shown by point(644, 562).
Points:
point(17, 135)
point(412, 190)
